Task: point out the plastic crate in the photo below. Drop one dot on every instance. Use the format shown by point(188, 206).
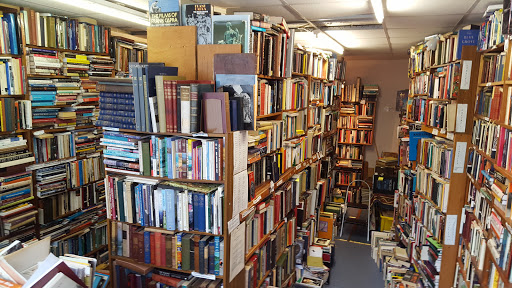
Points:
point(386, 222)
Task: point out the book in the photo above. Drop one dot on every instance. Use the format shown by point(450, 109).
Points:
point(231, 29)
point(164, 13)
point(199, 15)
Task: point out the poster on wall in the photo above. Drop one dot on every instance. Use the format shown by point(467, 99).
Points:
point(401, 100)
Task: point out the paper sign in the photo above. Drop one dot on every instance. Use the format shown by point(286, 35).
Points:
point(450, 230)
point(237, 251)
point(424, 253)
point(240, 195)
point(240, 151)
point(233, 223)
point(460, 157)
point(462, 114)
point(466, 74)
point(204, 276)
point(435, 131)
point(450, 136)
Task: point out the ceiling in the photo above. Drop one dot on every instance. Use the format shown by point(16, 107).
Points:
point(406, 22)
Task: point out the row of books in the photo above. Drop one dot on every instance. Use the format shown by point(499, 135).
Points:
point(61, 204)
point(420, 84)
point(355, 137)
point(344, 178)
point(493, 67)
point(58, 177)
point(47, 30)
point(127, 51)
point(444, 83)
point(491, 33)
point(150, 203)
point(351, 92)
point(12, 76)
point(181, 251)
point(265, 260)
point(314, 63)
point(434, 187)
point(10, 41)
point(15, 114)
point(171, 157)
point(83, 242)
point(267, 137)
point(436, 156)
point(14, 151)
point(349, 151)
point(323, 92)
point(294, 123)
point(488, 102)
point(271, 47)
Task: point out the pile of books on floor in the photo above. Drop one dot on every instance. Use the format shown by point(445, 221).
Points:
point(32, 265)
point(313, 272)
point(393, 261)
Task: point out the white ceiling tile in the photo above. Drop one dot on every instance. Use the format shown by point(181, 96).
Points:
point(430, 7)
point(416, 34)
point(331, 10)
point(483, 4)
point(425, 21)
point(275, 11)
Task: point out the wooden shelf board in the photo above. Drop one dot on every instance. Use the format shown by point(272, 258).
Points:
point(270, 77)
point(499, 83)
point(211, 135)
point(169, 179)
point(96, 250)
point(155, 266)
point(67, 50)
point(169, 231)
point(269, 115)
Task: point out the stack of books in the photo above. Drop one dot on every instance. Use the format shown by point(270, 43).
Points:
point(117, 109)
point(370, 92)
point(15, 213)
point(100, 66)
point(74, 64)
point(43, 62)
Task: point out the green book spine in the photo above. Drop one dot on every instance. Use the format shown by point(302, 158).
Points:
point(146, 159)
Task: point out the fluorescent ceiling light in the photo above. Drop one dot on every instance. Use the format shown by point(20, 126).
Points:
point(108, 9)
point(318, 41)
point(378, 10)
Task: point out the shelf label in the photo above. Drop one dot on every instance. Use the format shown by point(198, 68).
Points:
point(450, 230)
point(460, 155)
point(256, 200)
point(271, 186)
point(488, 84)
point(466, 74)
point(233, 223)
point(204, 276)
point(462, 114)
point(450, 136)
point(435, 132)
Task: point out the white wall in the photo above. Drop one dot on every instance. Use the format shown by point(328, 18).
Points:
point(391, 76)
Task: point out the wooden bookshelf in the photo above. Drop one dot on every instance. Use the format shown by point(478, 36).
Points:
point(457, 181)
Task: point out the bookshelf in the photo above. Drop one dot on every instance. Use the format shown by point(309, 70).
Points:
point(427, 217)
point(484, 250)
point(355, 130)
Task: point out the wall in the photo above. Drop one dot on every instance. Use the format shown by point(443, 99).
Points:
point(391, 76)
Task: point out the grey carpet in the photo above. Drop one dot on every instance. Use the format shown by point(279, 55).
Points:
point(354, 267)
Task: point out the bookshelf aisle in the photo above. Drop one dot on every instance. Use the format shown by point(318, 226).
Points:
point(432, 178)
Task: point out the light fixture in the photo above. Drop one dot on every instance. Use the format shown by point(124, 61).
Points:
point(378, 10)
point(109, 9)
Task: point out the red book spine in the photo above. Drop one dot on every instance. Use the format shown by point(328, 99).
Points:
point(162, 251)
point(167, 100)
point(152, 248)
point(155, 251)
point(166, 280)
point(174, 106)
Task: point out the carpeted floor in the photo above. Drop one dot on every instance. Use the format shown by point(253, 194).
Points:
point(354, 266)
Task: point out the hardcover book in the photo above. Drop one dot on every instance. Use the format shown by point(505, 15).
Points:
point(164, 12)
point(199, 15)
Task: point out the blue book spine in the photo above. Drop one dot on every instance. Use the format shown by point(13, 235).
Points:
point(201, 215)
point(119, 239)
point(121, 154)
point(19, 193)
point(195, 198)
point(8, 74)
point(147, 247)
point(128, 114)
point(136, 96)
point(168, 156)
point(117, 107)
point(163, 219)
point(140, 89)
point(112, 100)
point(11, 23)
point(163, 170)
point(117, 119)
point(191, 220)
point(211, 257)
point(178, 249)
point(217, 255)
point(117, 95)
point(80, 170)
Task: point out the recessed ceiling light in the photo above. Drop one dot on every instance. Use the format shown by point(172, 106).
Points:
point(378, 10)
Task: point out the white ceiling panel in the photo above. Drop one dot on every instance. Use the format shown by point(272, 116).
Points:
point(358, 34)
point(346, 3)
point(483, 4)
point(430, 7)
point(242, 3)
point(416, 34)
point(274, 11)
point(331, 10)
point(419, 22)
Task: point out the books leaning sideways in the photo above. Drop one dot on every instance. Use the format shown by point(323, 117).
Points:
point(40, 268)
